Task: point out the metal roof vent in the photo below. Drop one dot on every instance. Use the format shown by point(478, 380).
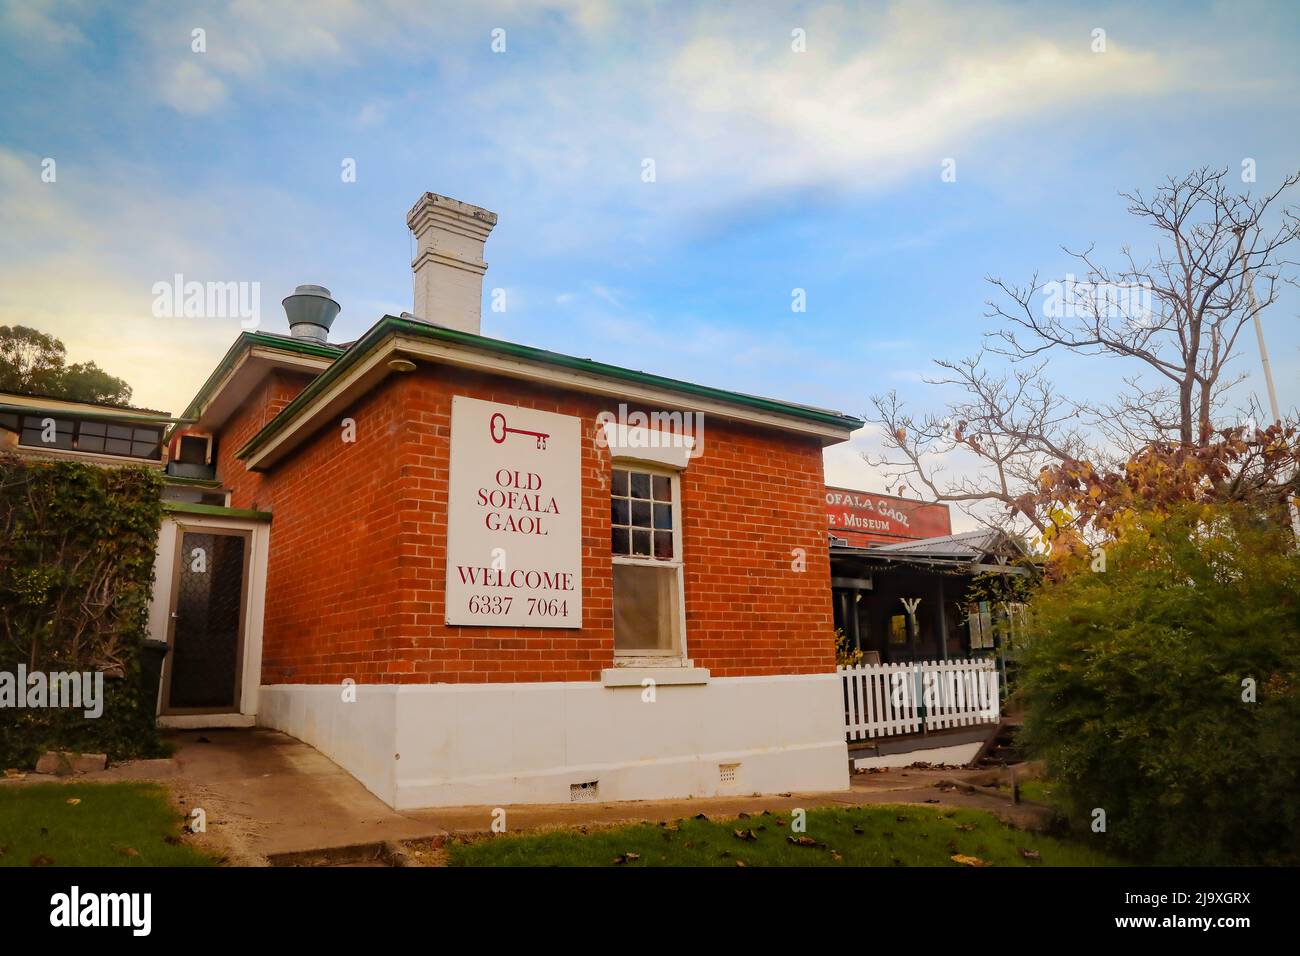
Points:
point(311, 312)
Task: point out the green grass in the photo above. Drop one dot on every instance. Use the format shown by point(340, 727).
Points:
point(1039, 791)
point(114, 824)
point(890, 836)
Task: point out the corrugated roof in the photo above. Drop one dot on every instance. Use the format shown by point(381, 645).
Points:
point(965, 544)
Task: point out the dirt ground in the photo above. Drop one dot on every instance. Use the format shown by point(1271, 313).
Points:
point(267, 795)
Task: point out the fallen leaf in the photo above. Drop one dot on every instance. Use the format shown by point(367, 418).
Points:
point(745, 834)
point(73, 801)
point(626, 857)
point(966, 827)
point(41, 861)
point(859, 831)
point(741, 863)
point(128, 851)
point(742, 816)
point(969, 860)
point(1031, 854)
point(836, 857)
point(700, 816)
point(805, 841)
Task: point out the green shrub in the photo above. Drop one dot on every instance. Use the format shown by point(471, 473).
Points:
point(77, 549)
point(1134, 685)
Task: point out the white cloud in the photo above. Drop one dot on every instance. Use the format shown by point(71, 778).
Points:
point(373, 113)
point(42, 22)
point(192, 88)
point(79, 258)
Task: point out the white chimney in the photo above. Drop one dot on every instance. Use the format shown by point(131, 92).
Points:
point(448, 263)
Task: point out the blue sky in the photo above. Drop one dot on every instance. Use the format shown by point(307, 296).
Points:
point(775, 170)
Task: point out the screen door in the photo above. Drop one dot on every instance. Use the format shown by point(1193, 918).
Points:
point(207, 621)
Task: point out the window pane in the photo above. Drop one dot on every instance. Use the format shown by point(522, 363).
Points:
point(646, 608)
point(640, 485)
point(664, 516)
point(34, 433)
point(641, 543)
point(664, 545)
point(194, 450)
point(119, 431)
point(641, 514)
point(144, 449)
point(619, 486)
point(117, 446)
point(90, 428)
point(663, 488)
point(897, 629)
point(9, 421)
point(619, 541)
point(90, 442)
point(618, 511)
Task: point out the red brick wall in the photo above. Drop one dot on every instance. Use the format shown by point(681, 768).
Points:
point(276, 391)
point(358, 549)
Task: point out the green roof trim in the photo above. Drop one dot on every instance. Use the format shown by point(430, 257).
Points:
point(391, 325)
point(146, 418)
point(245, 341)
point(193, 482)
point(214, 511)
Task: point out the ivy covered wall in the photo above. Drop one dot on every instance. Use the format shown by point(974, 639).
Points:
point(77, 546)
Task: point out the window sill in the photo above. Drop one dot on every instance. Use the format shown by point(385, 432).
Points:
point(671, 672)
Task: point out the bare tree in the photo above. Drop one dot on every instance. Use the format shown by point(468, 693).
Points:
point(1172, 318)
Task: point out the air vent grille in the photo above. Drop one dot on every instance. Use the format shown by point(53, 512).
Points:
point(588, 792)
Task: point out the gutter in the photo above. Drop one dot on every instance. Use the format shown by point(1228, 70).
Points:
point(389, 326)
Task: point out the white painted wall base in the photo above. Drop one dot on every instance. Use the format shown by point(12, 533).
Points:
point(958, 755)
point(418, 745)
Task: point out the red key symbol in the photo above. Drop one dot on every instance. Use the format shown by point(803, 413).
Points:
point(499, 433)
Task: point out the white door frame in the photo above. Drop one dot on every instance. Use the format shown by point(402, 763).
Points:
point(250, 678)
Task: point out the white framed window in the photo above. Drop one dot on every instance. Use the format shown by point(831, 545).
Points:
point(646, 550)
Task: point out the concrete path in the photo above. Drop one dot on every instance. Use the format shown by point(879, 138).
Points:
point(265, 794)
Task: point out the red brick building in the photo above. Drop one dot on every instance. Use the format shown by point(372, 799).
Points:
point(473, 571)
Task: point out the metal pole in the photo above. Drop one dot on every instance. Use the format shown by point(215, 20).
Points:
point(1268, 378)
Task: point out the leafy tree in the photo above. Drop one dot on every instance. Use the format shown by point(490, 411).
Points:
point(1163, 686)
point(34, 363)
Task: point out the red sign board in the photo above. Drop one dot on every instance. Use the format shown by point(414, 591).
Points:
point(863, 518)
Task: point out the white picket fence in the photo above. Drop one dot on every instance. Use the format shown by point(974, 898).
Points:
point(885, 699)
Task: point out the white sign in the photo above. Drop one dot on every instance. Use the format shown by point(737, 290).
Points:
point(514, 517)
